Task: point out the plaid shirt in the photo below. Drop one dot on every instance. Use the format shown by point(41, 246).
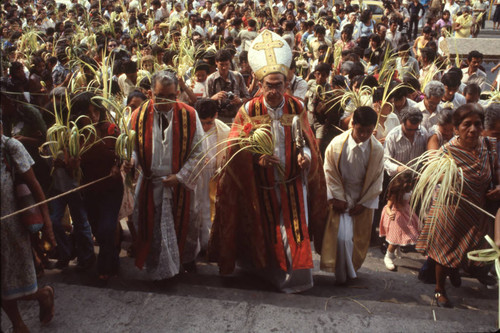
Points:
point(59, 73)
point(234, 83)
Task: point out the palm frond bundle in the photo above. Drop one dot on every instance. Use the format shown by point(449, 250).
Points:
point(439, 184)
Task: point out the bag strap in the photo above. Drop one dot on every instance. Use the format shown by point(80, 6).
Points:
point(490, 158)
point(8, 158)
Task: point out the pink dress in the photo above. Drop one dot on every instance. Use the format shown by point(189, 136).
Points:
point(404, 229)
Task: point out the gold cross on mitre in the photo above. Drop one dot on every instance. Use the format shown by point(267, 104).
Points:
point(277, 55)
point(268, 45)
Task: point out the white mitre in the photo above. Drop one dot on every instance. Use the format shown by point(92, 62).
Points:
point(269, 53)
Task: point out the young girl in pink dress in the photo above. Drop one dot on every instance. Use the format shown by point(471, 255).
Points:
point(398, 224)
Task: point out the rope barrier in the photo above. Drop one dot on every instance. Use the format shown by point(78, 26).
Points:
point(54, 198)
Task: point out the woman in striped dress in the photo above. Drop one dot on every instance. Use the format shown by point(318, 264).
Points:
point(460, 229)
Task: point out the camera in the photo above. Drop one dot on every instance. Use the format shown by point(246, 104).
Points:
point(230, 95)
point(388, 5)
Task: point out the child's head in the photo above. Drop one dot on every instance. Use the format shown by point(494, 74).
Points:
point(207, 112)
point(399, 185)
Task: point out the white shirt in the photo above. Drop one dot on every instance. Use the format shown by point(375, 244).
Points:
point(161, 163)
point(409, 104)
point(211, 13)
point(391, 122)
point(393, 38)
point(399, 147)
point(453, 9)
point(176, 16)
point(430, 119)
point(479, 77)
point(458, 100)
point(298, 87)
point(353, 164)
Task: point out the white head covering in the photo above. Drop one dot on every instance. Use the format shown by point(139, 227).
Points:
point(269, 53)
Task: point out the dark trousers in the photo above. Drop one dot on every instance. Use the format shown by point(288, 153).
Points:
point(102, 210)
point(83, 243)
point(413, 28)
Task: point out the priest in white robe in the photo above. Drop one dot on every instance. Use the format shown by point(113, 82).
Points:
point(167, 149)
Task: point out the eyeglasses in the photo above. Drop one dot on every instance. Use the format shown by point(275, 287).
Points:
point(276, 86)
point(164, 99)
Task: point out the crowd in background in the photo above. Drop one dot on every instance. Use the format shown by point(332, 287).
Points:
point(393, 56)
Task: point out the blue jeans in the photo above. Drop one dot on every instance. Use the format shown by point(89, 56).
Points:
point(102, 209)
point(81, 228)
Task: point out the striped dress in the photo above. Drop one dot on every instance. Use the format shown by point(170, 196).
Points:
point(462, 230)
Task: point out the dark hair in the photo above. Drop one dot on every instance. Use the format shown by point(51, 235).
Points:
point(34, 62)
point(474, 54)
point(223, 55)
point(145, 83)
point(364, 116)
point(206, 108)
point(404, 47)
point(428, 53)
point(129, 67)
point(289, 25)
point(323, 47)
point(399, 186)
point(451, 80)
point(378, 94)
point(348, 30)
point(427, 30)
point(368, 80)
point(465, 111)
point(323, 68)
point(411, 81)
point(365, 16)
point(168, 56)
point(456, 71)
point(136, 93)
point(356, 69)
point(319, 29)
point(81, 102)
point(376, 38)
point(472, 89)
point(399, 92)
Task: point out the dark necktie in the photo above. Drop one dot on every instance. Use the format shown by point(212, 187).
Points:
point(163, 124)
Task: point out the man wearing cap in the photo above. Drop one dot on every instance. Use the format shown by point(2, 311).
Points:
point(270, 207)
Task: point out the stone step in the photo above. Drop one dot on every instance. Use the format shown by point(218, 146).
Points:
point(89, 309)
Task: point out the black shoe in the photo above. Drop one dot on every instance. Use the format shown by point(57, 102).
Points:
point(383, 247)
point(487, 280)
point(84, 266)
point(442, 300)
point(61, 264)
point(455, 279)
point(190, 267)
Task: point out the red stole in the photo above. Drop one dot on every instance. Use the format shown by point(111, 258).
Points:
point(183, 127)
point(251, 228)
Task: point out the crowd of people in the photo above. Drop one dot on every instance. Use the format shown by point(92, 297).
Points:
point(249, 134)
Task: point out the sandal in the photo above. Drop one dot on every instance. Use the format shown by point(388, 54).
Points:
point(47, 311)
point(455, 279)
point(442, 300)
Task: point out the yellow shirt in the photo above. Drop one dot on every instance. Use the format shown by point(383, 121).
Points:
point(465, 24)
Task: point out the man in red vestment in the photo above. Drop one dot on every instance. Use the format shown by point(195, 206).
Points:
point(270, 207)
point(167, 150)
